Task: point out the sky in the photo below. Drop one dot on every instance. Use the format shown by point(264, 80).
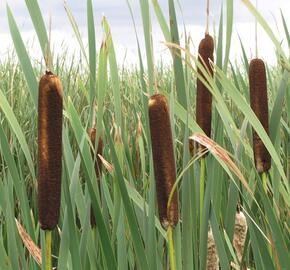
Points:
point(117, 12)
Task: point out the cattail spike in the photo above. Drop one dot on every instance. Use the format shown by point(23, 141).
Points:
point(98, 164)
point(163, 158)
point(259, 104)
point(212, 262)
point(49, 149)
point(203, 95)
point(241, 228)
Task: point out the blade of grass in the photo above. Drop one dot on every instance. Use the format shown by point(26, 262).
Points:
point(176, 55)
point(136, 238)
point(23, 57)
point(39, 26)
point(230, 15)
point(92, 50)
point(10, 116)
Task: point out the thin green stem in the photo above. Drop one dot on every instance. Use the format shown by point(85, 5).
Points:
point(48, 265)
point(172, 259)
point(201, 186)
point(265, 180)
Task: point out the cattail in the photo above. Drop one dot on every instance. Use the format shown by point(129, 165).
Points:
point(212, 262)
point(203, 95)
point(49, 149)
point(98, 164)
point(163, 158)
point(259, 104)
point(240, 233)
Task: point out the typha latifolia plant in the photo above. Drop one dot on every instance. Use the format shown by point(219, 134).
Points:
point(98, 163)
point(49, 155)
point(240, 233)
point(259, 104)
point(130, 85)
point(164, 165)
point(212, 262)
point(50, 106)
point(204, 103)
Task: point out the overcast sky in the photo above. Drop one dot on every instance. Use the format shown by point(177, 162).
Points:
point(119, 19)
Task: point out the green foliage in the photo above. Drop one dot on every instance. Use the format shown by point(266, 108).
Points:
point(128, 234)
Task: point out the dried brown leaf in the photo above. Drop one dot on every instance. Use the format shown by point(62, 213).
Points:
point(221, 153)
point(32, 248)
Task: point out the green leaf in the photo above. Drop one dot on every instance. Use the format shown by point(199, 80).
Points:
point(23, 57)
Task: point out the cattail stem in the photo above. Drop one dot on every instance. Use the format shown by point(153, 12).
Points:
point(201, 187)
point(172, 259)
point(207, 17)
point(212, 262)
point(240, 233)
point(264, 176)
point(264, 181)
point(256, 32)
point(48, 264)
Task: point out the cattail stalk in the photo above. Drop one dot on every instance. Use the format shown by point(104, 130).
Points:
point(172, 259)
point(164, 167)
point(207, 17)
point(259, 104)
point(204, 106)
point(98, 164)
point(48, 239)
point(49, 155)
point(212, 262)
point(201, 188)
point(240, 234)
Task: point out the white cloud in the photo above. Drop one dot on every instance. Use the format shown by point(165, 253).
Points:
point(122, 28)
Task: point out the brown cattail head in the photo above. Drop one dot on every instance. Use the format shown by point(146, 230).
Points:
point(163, 158)
point(259, 104)
point(98, 164)
point(203, 95)
point(49, 149)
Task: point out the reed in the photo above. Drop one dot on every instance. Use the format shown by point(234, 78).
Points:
point(49, 150)
point(203, 95)
point(259, 104)
point(98, 164)
point(163, 158)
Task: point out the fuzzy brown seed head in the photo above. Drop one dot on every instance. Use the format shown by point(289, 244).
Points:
point(203, 95)
point(259, 104)
point(98, 163)
point(49, 149)
point(163, 158)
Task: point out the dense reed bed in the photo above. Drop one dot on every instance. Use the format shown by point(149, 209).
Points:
point(122, 188)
